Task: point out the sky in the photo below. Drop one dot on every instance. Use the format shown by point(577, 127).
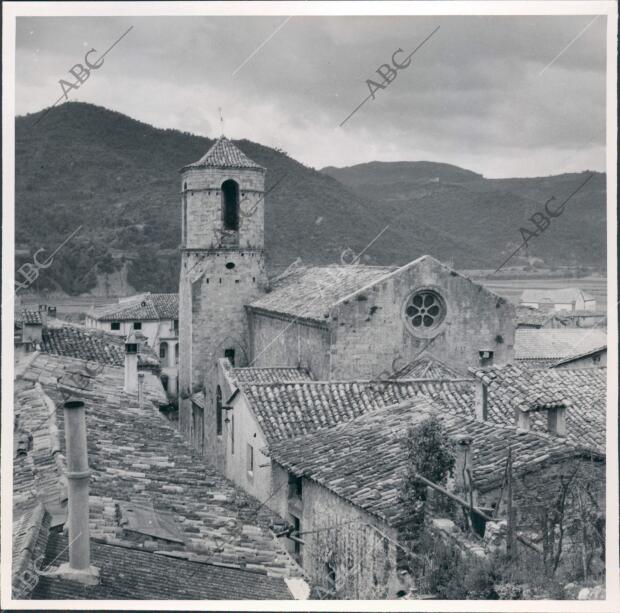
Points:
point(503, 96)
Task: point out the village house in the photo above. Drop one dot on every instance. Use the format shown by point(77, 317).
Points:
point(566, 299)
point(561, 347)
point(159, 522)
point(335, 322)
point(339, 488)
point(156, 317)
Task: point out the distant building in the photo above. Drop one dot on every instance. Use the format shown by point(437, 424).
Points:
point(579, 348)
point(156, 317)
point(567, 299)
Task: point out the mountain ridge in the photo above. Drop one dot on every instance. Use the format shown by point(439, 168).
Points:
point(118, 178)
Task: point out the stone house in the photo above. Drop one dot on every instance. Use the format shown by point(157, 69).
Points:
point(344, 481)
point(565, 299)
point(156, 317)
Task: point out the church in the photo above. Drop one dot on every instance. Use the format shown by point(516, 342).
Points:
point(331, 323)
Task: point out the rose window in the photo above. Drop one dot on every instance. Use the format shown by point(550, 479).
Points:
point(425, 309)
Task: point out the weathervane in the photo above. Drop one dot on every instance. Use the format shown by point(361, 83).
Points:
point(219, 108)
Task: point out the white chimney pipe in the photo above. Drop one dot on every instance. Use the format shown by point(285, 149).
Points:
point(482, 401)
point(78, 568)
point(141, 390)
point(131, 364)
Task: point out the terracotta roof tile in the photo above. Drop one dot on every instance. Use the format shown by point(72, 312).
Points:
point(309, 292)
point(582, 391)
point(288, 409)
point(130, 574)
point(557, 343)
point(268, 375)
point(145, 307)
point(138, 457)
point(29, 316)
point(224, 154)
point(363, 460)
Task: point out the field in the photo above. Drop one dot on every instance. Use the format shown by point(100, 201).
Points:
point(512, 288)
point(71, 307)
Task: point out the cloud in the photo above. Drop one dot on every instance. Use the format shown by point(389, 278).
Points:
point(472, 96)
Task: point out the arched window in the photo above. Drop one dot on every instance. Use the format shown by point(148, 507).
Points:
point(163, 350)
point(218, 410)
point(230, 205)
point(176, 353)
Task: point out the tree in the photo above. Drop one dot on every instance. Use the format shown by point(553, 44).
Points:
point(430, 454)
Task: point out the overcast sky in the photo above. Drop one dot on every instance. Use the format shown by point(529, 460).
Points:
point(473, 95)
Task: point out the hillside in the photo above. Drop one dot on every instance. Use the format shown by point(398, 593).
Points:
point(118, 178)
point(486, 214)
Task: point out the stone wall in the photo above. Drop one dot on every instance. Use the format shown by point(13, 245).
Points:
point(279, 341)
point(370, 329)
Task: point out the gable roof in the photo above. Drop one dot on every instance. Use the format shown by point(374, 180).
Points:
point(363, 461)
point(90, 345)
point(582, 392)
point(309, 292)
point(143, 307)
point(136, 456)
point(224, 154)
point(555, 296)
point(557, 343)
point(289, 409)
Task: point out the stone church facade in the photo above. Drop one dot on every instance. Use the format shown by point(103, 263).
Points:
point(340, 322)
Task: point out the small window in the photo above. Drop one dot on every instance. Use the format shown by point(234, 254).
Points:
point(230, 354)
point(250, 459)
point(597, 359)
point(137, 325)
point(176, 325)
point(218, 410)
point(115, 325)
point(163, 351)
point(176, 353)
point(294, 486)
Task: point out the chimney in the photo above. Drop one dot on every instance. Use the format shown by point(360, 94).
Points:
point(43, 315)
point(556, 420)
point(482, 401)
point(523, 419)
point(464, 460)
point(141, 390)
point(131, 365)
point(78, 568)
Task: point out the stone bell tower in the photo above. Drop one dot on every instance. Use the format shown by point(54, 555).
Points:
point(222, 269)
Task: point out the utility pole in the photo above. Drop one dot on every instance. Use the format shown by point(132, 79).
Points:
point(510, 539)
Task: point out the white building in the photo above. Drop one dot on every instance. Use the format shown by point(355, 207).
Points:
point(156, 316)
point(567, 299)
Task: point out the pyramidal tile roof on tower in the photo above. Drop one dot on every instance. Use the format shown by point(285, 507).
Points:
point(224, 154)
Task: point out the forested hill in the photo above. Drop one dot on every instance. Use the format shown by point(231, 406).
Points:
point(84, 165)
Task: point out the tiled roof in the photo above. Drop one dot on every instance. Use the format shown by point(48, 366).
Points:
point(554, 296)
point(268, 375)
point(130, 574)
point(582, 391)
point(224, 154)
point(309, 292)
point(91, 345)
point(137, 457)
point(363, 460)
point(29, 316)
point(145, 307)
point(289, 409)
point(529, 316)
point(428, 367)
point(557, 343)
